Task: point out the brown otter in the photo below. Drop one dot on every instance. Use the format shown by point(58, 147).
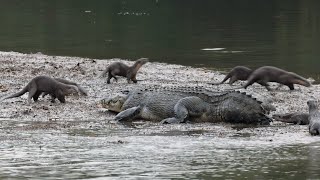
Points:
point(266, 74)
point(295, 118)
point(237, 73)
point(82, 91)
point(120, 69)
point(48, 85)
point(314, 118)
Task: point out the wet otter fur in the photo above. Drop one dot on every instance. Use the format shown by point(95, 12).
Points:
point(314, 118)
point(48, 85)
point(266, 74)
point(120, 69)
point(82, 91)
point(237, 73)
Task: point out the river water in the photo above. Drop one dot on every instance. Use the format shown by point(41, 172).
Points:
point(151, 151)
point(216, 34)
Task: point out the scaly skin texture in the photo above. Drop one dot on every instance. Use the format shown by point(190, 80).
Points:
point(314, 118)
point(295, 118)
point(187, 104)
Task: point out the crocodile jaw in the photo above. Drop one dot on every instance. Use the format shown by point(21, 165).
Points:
point(114, 103)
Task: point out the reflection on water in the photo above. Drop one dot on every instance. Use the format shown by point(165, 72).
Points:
point(198, 151)
point(208, 33)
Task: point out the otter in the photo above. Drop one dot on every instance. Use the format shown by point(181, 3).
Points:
point(82, 91)
point(237, 73)
point(314, 118)
point(266, 74)
point(295, 118)
point(48, 85)
point(120, 69)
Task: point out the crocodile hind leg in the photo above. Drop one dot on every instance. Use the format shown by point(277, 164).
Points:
point(128, 114)
point(186, 107)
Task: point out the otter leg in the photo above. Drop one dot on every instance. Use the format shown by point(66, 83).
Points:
point(60, 96)
point(109, 77)
point(134, 80)
point(36, 96)
point(232, 80)
point(249, 83)
point(265, 84)
point(32, 92)
point(53, 97)
point(290, 86)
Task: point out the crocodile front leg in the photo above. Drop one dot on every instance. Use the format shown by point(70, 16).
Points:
point(128, 114)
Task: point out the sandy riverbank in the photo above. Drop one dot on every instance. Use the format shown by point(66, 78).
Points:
point(18, 69)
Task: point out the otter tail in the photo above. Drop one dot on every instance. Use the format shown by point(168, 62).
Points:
point(224, 80)
point(82, 91)
point(20, 93)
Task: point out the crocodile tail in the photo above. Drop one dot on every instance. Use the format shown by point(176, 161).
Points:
point(264, 119)
point(20, 93)
point(243, 108)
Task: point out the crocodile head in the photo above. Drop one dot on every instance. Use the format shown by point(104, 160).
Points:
point(113, 103)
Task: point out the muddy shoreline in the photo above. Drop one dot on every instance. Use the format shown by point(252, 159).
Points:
point(18, 69)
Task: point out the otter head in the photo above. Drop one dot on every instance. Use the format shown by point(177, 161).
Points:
point(299, 80)
point(142, 60)
point(312, 104)
point(114, 103)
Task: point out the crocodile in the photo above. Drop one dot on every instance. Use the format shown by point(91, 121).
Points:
point(178, 105)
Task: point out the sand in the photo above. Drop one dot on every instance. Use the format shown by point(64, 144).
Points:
point(18, 69)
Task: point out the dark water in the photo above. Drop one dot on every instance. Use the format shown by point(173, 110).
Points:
point(252, 32)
